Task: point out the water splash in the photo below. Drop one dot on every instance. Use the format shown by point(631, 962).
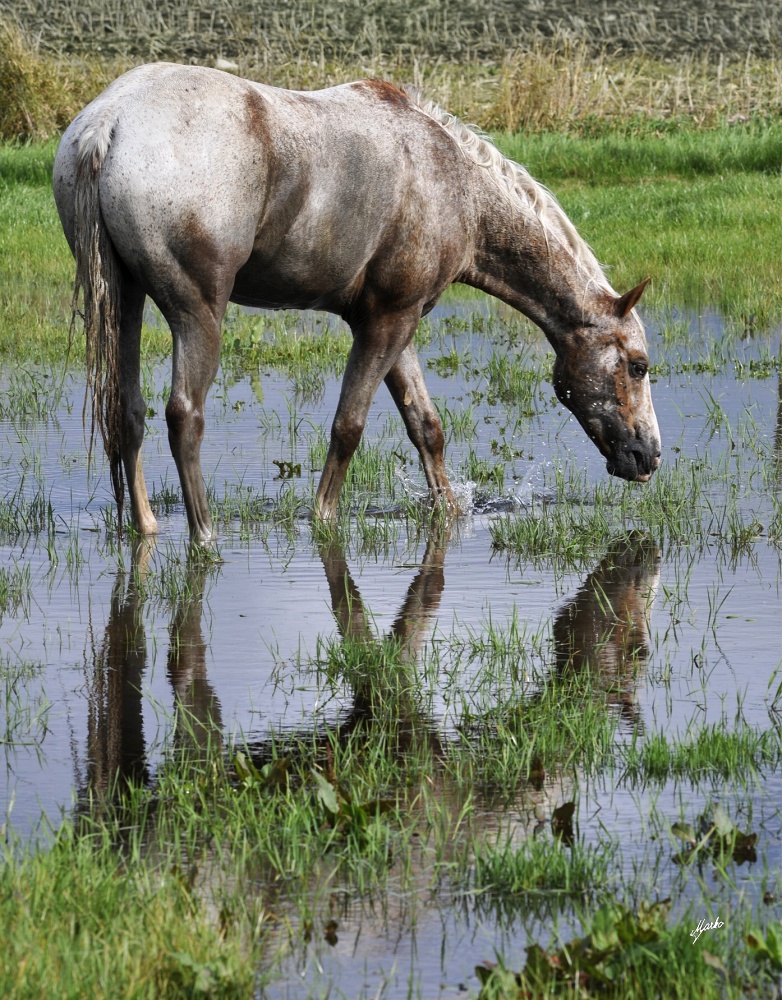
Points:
point(417, 491)
point(472, 501)
point(464, 494)
point(533, 485)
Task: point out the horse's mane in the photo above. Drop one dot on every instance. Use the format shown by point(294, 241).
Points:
point(513, 180)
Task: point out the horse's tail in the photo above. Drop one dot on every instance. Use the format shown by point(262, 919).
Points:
point(98, 276)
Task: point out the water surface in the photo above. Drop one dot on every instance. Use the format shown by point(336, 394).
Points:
point(94, 666)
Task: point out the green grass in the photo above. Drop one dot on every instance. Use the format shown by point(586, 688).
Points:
point(654, 152)
point(542, 865)
point(675, 510)
point(88, 923)
point(713, 753)
point(688, 208)
point(554, 534)
point(24, 707)
point(15, 587)
point(715, 225)
point(26, 512)
point(560, 727)
point(27, 166)
point(32, 395)
point(307, 355)
point(624, 950)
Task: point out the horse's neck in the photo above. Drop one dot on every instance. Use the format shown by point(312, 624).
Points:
point(526, 264)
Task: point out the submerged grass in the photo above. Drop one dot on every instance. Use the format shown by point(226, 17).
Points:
point(676, 509)
point(26, 512)
point(542, 865)
point(257, 343)
point(24, 707)
point(562, 728)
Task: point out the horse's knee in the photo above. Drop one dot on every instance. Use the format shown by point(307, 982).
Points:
point(346, 433)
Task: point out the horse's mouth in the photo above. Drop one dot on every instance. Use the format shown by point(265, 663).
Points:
point(627, 456)
point(635, 466)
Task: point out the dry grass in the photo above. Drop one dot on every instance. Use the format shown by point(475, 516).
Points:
point(356, 30)
point(564, 85)
point(41, 94)
point(558, 83)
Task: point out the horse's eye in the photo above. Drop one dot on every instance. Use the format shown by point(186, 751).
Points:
point(638, 369)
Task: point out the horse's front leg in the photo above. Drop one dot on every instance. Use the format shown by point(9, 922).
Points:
point(377, 345)
point(424, 428)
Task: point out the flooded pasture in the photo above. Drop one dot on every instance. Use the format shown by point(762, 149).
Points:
point(645, 620)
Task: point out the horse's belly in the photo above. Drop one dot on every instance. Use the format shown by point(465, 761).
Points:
point(290, 292)
point(303, 274)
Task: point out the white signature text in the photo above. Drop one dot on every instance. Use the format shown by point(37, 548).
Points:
point(706, 925)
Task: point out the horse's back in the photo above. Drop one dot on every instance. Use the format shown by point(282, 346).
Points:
point(293, 193)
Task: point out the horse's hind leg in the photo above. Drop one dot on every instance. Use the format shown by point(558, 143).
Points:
point(196, 333)
point(133, 409)
point(424, 428)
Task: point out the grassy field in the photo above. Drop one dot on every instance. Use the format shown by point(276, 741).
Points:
point(687, 208)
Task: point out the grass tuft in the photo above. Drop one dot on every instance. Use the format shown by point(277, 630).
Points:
point(41, 93)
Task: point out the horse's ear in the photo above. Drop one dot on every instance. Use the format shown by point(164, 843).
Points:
point(630, 299)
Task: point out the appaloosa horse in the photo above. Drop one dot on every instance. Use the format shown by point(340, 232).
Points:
point(196, 188)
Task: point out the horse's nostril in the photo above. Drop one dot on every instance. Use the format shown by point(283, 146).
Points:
point(643, 460)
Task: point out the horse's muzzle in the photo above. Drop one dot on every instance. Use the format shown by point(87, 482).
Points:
point(635, 463)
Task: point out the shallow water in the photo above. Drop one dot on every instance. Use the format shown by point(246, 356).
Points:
point(86, 694)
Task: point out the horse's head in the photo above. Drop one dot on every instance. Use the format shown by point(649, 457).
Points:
point(601, 375)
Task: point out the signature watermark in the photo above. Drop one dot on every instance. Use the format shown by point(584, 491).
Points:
point(706, 925)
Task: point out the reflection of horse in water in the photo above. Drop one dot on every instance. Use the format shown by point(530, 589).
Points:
point(371, 701)
point(115, 724)
point(116, 752)
point(602, 628)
